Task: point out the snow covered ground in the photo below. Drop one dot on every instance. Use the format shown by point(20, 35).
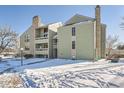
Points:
point(50, 63)
point(3, 66)
point(62, 73)
point(7, 64)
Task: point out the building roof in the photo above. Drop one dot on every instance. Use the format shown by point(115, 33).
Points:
point(77, 19)
point(46, 25)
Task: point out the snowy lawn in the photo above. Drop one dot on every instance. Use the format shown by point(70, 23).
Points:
point(17, 62)
point(62, 73)
point(51, 63)
point(3, 66)
point(76, 75)
point(9, 64)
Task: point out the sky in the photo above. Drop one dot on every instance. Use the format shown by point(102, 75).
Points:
point(20, 17)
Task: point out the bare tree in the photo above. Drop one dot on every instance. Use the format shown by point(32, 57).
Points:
point(111, 43)
point(120, 47)
point(8, 38)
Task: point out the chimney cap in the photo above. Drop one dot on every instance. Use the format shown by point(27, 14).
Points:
point(97, 6)
point(36, 20)
point(35, 16)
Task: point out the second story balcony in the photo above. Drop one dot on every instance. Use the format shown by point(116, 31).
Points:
point(41, 33)
point(41, 37)
point(41, 49)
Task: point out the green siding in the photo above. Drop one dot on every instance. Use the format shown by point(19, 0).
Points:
point(84, 41)
point(64, 42)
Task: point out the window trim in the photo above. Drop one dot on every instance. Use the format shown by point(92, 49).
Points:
point(73, 31)
point(73, 44)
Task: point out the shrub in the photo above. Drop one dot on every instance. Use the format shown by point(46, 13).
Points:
point(27, 56)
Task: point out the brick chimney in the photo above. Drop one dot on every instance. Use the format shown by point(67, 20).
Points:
point(98, 31)
point(36, 21)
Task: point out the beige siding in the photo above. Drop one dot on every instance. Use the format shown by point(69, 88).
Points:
point(64, 42)
point(50, 43)
point(32, 41)
point(31, 44)
point(85, 41)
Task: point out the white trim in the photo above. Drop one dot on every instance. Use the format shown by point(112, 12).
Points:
point(94, 34)
point(94, 37)
point(73, 38)
point(82, 23)
point(48, 52)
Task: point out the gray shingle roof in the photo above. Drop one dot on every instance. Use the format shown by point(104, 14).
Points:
point(77, 19)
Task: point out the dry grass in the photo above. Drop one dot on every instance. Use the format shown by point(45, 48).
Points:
point(10, 81)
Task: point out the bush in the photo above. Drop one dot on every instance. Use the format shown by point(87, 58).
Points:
point(27, 56)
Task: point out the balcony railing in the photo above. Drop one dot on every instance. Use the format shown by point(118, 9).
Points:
point(43, 36)
point(41, 49)
point(39, 38)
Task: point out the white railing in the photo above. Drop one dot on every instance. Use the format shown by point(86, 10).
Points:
point(39, 38)
point(41, 49)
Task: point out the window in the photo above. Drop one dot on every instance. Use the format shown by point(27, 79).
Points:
point(73, 31)
point(27, 38)
point(73, 44)
point(45, 45)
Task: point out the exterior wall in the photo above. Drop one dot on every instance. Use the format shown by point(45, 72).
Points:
point(84, 41)
point(50, 46)
point(52, 32)
point(30, 32)
point(86, 45)
point(103, 40)
point(32, 41)
point(64, 42)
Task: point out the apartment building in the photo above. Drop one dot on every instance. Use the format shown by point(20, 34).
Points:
point(37, 39)
point(82, 37)
point(44, 40)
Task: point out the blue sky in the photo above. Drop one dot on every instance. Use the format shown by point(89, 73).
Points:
point(20, 17)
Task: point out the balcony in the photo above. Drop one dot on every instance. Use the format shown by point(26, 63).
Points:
point(41, 33)
point(39, 38)
point(41, 51)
